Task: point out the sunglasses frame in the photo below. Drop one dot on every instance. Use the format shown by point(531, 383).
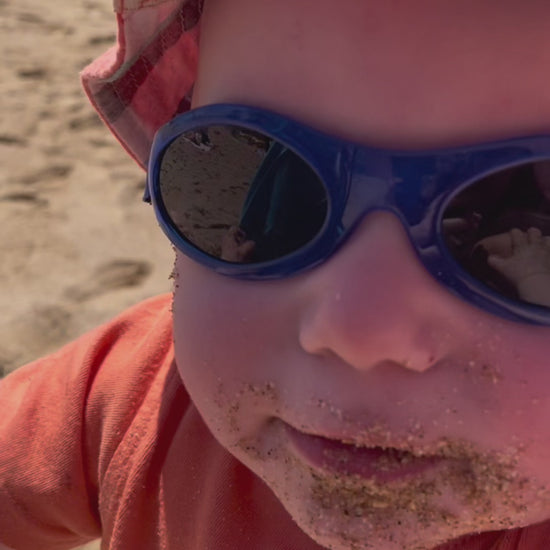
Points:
point(415, 186)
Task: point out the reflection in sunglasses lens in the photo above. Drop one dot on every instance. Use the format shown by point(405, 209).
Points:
point(498, 229)
point(239, 195)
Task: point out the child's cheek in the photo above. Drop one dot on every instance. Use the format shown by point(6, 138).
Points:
point(518, 397)
point(229, 337)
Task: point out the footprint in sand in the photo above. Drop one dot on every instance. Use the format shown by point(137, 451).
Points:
point(85, 122)
point(8, 361)
point(49, 173)
point(110, 276)
point(10, 139)
point(49, 325)
point(39, 330)
point(43, 24)
point(24, 198)
point(105, 39)
point(33, 73)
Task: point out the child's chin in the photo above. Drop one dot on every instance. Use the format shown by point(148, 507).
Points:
point(342, 530)
point(354, 514)
point(341, 526)
point(421, 508)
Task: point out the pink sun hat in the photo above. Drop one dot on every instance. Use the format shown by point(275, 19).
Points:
point(147, 78)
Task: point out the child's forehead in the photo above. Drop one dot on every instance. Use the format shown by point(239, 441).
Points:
point(393, 73)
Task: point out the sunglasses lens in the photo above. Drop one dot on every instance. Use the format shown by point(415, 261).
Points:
point(240, 196)
point(498, 229)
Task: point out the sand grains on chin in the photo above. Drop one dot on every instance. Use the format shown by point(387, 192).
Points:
point(472, 493)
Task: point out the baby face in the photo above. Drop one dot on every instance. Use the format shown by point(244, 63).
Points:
point(382, 411)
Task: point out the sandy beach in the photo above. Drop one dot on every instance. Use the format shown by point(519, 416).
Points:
point(77, 244)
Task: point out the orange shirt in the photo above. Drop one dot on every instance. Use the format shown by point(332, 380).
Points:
point(101, 440)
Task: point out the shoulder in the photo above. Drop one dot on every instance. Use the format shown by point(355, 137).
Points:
point(93, 387)
point(102, 375)
point(66, 416)
point(133, 381)
point(140, 337)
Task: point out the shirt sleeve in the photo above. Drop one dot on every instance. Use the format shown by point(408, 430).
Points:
point(50, 440)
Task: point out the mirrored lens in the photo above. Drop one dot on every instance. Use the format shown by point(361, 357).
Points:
point(240, 196)
point(498, 228)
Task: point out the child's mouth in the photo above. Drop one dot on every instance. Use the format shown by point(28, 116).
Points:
point(380, 464)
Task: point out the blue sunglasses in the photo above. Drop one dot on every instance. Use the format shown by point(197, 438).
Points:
point(254, 195)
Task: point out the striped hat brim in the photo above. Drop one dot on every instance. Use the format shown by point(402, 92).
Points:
point(147, 77)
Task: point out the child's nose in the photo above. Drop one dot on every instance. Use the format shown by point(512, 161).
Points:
point(374, 302)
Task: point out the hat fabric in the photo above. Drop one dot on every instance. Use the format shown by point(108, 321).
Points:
point(147, 77)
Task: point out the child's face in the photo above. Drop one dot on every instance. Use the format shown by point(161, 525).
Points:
point(368, 348)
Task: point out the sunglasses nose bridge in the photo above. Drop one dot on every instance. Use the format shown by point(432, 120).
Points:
point(371, 187)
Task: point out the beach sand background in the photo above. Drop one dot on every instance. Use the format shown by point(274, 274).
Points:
point(77, 245)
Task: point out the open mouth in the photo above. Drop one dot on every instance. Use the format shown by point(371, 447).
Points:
point(381, 464)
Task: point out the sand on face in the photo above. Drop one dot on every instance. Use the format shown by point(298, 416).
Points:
point(77, 245)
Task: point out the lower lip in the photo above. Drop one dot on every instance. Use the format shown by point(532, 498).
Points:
point(375, 463)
